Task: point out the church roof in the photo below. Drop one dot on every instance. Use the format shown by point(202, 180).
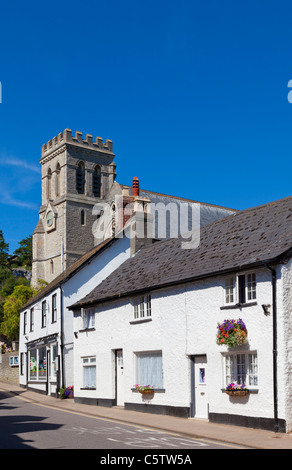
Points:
point(246, 239)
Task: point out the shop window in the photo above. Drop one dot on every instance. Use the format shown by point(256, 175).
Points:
point(37, 364)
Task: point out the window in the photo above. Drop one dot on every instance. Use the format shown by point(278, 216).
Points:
point(24, 323)
point(142, 307)
point(49, 184)
point(54, 308)
point(229, 290)
point(80, 178)
point(82, 217)
point(149, 370)
point(31, 319)
point(241, 288)
point(251, 286)
point(89, 372)
point(58, 174)
point(52, 266)
point(88, 318)
point(242, 369)
point(44, 314)
point(38, 364)
point(96, 181)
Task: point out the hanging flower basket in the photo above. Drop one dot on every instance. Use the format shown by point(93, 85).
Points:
point(231, 333)
point(236, 390)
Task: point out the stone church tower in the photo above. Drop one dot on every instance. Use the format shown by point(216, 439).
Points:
point(76, 174)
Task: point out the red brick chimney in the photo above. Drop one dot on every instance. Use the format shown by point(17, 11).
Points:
point(135, 186)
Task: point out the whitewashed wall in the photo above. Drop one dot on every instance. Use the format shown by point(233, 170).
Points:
point(184, 323)
point(38, 331)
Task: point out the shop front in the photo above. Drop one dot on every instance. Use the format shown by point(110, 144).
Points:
point(43, 365)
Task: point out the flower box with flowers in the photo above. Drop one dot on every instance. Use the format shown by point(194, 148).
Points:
point(69, 392)
point(231, 333)
point(144, 389)
point(234, 389)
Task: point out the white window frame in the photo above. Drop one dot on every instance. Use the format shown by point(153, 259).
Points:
point(153, 378)
point(38, 377)
point(44, 313)
point(88, 318)
point(54, 308)
point(89, 362)
point(241, 368)
point(232, 294)
point(25, 323)
point(142, 307)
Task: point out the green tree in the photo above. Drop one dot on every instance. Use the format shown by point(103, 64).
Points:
point(24, 252)
point(11, 310)
point(3, 250)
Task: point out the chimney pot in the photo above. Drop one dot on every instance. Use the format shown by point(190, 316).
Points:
point(135, 186)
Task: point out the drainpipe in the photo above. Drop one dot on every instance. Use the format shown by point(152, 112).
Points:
point(275, 352)
point(62, 384)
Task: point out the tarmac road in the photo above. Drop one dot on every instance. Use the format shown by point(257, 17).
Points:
point(26, 425)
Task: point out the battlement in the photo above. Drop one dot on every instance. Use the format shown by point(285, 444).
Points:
point(66, 137)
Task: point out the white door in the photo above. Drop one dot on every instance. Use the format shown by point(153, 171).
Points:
point(201, 387)
point(120, 377)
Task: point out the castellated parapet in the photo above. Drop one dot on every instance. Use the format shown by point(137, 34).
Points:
point(66, 138)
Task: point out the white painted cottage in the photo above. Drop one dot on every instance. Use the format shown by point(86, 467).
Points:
point(46, 324)
point(154, 321)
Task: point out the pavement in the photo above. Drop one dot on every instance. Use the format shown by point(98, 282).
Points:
point(191, 427)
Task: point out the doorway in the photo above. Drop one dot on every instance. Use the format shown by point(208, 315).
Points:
point(199, 390)
point(119, 378)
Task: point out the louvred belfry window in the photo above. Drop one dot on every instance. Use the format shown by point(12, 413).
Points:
point(80, 178)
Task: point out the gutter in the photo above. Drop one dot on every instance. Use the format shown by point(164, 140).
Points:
point(275, 351)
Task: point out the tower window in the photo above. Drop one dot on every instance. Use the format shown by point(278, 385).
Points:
point(82, 217)
point(58, 171)
point(49, 183)
point(96, 181)
point(80, 178)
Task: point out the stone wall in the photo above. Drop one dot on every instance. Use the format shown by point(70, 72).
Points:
point(9, 373)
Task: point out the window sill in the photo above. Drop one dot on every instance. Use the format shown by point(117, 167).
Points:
point(86, 329)
point(88, 388)
point(140, 320)
point(156, 390)
point(238, 305)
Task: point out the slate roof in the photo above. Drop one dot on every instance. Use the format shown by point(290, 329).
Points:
point(248, 238)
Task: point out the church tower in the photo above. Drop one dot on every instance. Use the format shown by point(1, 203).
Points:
point(76, 174)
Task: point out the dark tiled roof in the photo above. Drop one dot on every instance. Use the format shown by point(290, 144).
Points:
point(250, 237)
point(65, 275)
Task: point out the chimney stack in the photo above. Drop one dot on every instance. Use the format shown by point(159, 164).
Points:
point(135, 186)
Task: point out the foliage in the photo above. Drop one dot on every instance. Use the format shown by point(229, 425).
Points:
point(3, 250)
point(4, 348)
point(11, 310)
point(24, 252)
point(231, 333)
point(69, 391)
point(235, 387)
point(141, 388)
point(12, 299)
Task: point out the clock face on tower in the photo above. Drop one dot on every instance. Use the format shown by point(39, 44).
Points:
point(50, 219)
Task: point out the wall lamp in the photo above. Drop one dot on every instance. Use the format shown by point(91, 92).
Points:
point(266, 309)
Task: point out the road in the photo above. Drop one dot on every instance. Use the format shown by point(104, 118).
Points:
point(26, 425)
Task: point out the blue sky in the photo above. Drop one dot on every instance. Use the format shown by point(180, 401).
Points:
point(193, 95)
